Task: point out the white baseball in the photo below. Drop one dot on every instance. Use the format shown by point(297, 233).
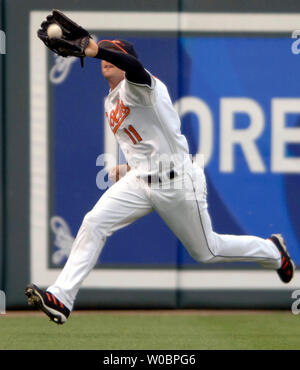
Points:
point(54, 31)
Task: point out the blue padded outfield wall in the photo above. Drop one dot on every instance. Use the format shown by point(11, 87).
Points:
point(247, 195)
point(236, 89)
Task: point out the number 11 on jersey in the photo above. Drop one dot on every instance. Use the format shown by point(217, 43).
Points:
point(133, 134)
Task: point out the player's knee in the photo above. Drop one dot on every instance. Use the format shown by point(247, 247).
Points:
point(207, 257)
point(88, 219)
point(206, 252)
point(201, 256)
point(94, 224)
point(213, 249)
point(88, 216)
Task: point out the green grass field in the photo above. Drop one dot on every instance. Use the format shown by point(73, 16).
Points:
point(150, 330)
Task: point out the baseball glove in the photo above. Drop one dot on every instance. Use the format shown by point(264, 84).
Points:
point(74, 40)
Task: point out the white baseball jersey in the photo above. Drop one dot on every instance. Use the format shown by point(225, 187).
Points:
point(146, 125)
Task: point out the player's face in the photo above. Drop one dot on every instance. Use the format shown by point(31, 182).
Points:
point(111, 72)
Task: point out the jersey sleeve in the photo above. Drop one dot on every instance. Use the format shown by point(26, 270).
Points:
point(139, 93)
point(139, 83)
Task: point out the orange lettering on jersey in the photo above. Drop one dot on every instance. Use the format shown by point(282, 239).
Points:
point(118, 115)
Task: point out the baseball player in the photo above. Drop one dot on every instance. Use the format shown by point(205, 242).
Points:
point(142, 118)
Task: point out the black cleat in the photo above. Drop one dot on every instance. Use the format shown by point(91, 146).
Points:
point(287, 269)
point(48, 303)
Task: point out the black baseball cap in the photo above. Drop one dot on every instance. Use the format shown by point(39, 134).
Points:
point(119, 45)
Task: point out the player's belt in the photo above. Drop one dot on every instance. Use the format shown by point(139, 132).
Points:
point(159, 179)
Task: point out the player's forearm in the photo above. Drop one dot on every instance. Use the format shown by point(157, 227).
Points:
point(126, 62)
point(135, 71)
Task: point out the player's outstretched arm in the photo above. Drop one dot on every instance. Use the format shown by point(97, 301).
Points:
point(135, 71)
point(73, 40)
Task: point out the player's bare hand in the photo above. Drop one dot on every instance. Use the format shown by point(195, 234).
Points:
point(92, 49)
point(116, 173)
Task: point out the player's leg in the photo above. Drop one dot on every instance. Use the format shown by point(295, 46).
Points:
point(230, 248)
point(270, 253)
point(120, 205)
point(185, 212)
